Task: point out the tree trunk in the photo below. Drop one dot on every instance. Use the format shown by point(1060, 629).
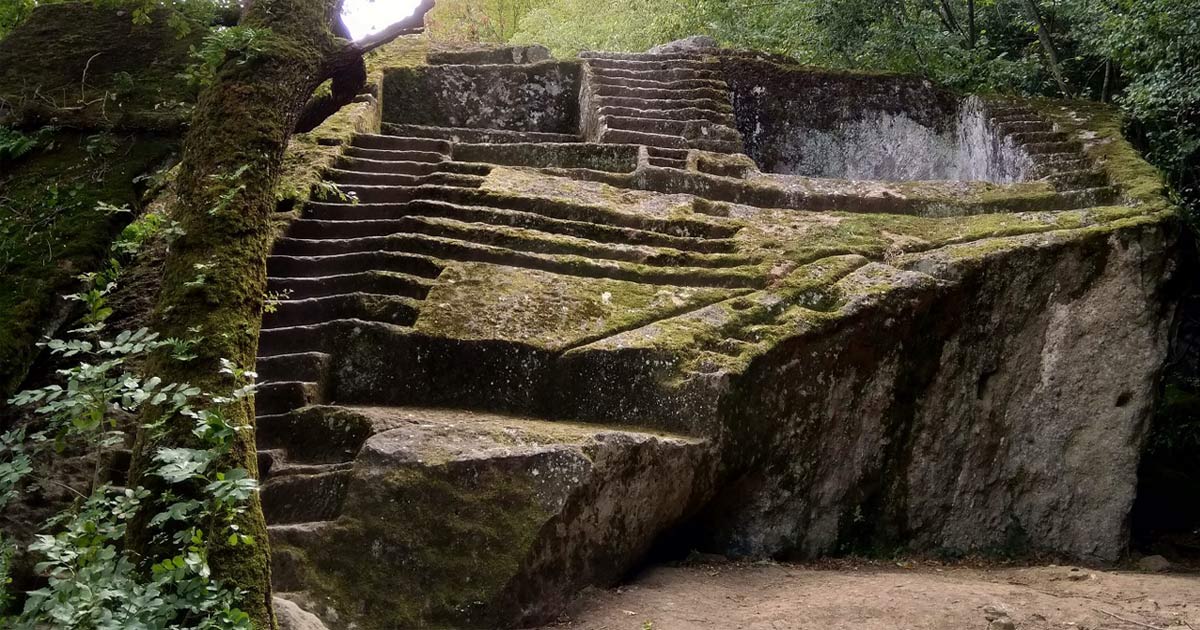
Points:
point(214, 281)
point(972, 33)
point(1048, 46)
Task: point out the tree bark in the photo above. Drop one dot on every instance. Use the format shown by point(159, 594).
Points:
point(972, 33)
point(1035, 14)
point(214, 280)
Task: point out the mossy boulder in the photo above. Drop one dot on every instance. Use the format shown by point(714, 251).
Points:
point(456, 519)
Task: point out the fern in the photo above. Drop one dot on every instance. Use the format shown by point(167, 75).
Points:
point(15, 144)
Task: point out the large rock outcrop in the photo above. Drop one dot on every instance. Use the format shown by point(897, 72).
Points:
point(525, 346)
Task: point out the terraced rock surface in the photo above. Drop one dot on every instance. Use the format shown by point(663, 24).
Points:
point(507, 361)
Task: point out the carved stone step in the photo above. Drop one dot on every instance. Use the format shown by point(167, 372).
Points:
point(293, 340)
point(285, 467)
point(267, 459)
point(669, 74)
point(1023, 126)
point(390, 219)
point(591, 500)
point(305, 498)
point(1038, 137)
point(655, 64)
point(1067, 160)
point(659, 268)
point(279, 266)
point(370, 193)
point(687, 113)
point(284, 396)
point(303, 366)
point(1081, 179)
point(523, 239)
point(668, 163)
point(389, 179)
point(401, 143)
point(688, 129)
point(372, 307)
point(717, 145)
point(623, 136)
point(316, 435)
point(662, 57)
point(1012, 112)
point(399, 167)
point(557, 208)
point(661, 83)
point(381, 282)
point(708, 104)
point(693, 94)
point(662, 141)
point(478, 136)
point(674, 154)
point(393, 155)
point(1071, 146)
point(1089, 197)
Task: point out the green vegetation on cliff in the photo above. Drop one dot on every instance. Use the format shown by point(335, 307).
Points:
point(56, 223)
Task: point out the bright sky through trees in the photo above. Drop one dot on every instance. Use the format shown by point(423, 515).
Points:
point(364, 17)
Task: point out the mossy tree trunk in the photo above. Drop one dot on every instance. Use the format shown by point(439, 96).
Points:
point(214, 281)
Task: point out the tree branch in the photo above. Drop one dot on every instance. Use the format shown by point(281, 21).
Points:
point(1048, 46)
point(972, 33)
point(414, 23)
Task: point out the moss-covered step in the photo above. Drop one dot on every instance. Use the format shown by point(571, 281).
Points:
point(453, 519)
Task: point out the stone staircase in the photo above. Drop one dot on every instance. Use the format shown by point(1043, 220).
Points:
point(669, 103)
point(372, 253)
point(1056, 156)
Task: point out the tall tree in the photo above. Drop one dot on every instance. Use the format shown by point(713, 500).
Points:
point(214, 281)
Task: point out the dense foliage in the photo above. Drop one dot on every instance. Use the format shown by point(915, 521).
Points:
point(92, 580)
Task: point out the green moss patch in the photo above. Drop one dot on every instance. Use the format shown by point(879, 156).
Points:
point(51, 229)
point(552, 311)
point(426, 546)
point(95, 68)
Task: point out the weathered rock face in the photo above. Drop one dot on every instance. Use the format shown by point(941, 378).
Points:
point(989, 405)
point(95, 68)
point(789, 365)
point(851, 126)
point(539, 97)
point(102, 105)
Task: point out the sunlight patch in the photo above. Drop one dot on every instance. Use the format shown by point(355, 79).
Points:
point(364, 17)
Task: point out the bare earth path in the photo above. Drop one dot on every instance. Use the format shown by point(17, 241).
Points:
point(889, 597)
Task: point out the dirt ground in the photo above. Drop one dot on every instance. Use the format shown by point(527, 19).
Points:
point(889, 596)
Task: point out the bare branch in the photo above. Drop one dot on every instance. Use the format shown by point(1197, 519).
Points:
point(412, 24)
point(1136, 623)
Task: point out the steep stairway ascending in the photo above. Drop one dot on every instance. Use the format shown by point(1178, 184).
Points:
point(1056, 156)
point(374, 254)
point(324, 282)
point(669, 103)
